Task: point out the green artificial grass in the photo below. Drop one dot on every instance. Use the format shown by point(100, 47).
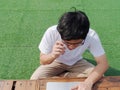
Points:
point(23, 23)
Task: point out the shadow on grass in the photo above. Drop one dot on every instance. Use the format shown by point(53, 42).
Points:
point(110, 72)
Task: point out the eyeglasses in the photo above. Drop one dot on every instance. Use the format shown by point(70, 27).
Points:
point(74, 44)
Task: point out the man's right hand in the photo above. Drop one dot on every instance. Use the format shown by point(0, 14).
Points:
point(58, 49)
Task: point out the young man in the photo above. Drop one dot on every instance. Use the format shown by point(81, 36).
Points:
point(62, 47)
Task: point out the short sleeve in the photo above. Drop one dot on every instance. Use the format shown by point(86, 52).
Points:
point(95, 46)
point(45, 45)
point(48, 40)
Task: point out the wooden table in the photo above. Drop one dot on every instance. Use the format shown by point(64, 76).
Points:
point(106, 83)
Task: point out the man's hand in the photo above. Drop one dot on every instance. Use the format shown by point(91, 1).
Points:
point(58, 49)
point(82, 86)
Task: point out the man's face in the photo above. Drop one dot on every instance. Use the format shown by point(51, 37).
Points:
point(72, 44)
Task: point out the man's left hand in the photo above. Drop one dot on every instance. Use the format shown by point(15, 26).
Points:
point(82, 86)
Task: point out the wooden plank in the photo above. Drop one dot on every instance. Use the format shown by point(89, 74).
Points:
point(6, 85)
point(27, 85)
point(109, 81)
point(43, 81)
point(114, 88)
point(2, 85)
point(20, 85)
point(104, 83)
point(42, 84)
point(101, 89)
point(32, 85)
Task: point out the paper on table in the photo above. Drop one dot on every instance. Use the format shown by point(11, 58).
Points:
point(60, 85)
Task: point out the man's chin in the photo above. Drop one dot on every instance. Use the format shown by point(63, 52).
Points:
point(71, 48)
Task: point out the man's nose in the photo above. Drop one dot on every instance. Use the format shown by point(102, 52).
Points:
point(70, 47)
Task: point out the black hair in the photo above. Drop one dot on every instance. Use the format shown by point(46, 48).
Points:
point(73, 25)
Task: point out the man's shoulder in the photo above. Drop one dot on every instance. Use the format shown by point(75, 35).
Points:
point(91, 32)
point(91, 35)
point(52, 28)
point(52, 32)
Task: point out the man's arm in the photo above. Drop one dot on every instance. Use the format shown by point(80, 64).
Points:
point(46, 58)
point(99, 70)
point(96, 74)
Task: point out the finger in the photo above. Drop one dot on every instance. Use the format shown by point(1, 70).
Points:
point(59, 51)
point(60, 47)
point(74, 88)
point(59, 43)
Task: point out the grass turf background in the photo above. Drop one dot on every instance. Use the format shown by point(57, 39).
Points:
point(23, 22)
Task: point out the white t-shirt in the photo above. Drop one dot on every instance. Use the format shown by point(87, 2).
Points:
point(70, 57)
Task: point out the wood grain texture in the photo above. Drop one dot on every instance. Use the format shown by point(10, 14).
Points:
point(105, 83)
